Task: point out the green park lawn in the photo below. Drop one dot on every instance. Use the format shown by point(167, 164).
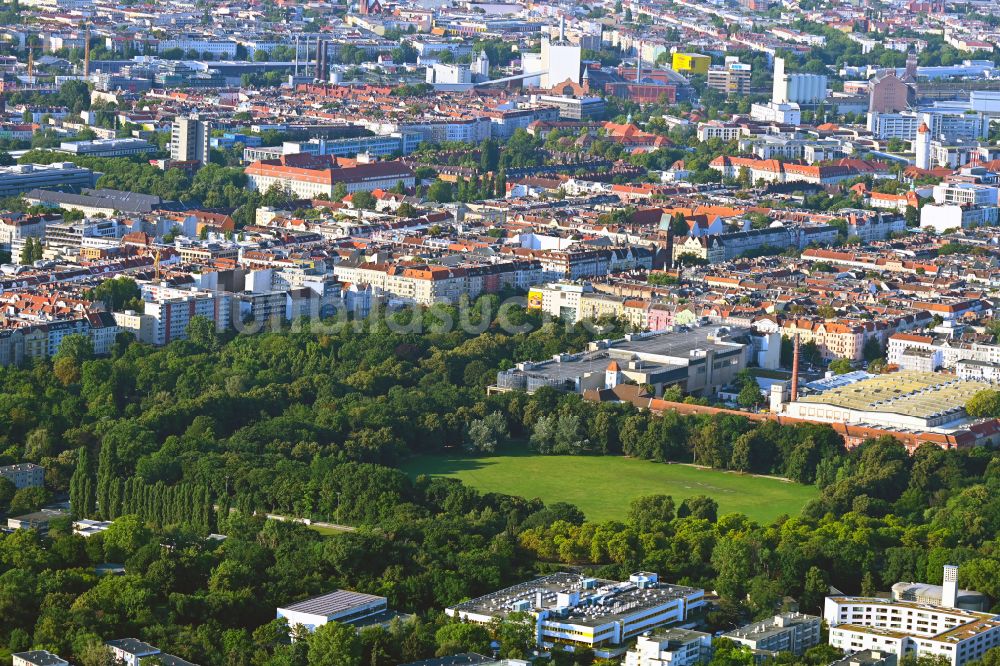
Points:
point(326, 531)
point(603, 486)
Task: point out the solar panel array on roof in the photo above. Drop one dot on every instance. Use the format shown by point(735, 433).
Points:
point(333, 603)
point(918, 394)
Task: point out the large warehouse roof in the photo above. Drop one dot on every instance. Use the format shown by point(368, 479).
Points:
point(917, 394)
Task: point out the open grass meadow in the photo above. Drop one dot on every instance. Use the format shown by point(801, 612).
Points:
point(603, 486)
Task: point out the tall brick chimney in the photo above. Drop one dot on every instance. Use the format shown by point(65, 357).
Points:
point(795, 368)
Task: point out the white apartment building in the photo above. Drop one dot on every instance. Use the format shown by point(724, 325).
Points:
point(70, 236)
point(24, 475)
point(893, 125)
point(560, 300)
point(978, 371)
point(946, 353)
point(768, 147)
point(965, 194)
point(449, 74)
point(167, 312)
point(874, 228)
point(427, 285)
point(910, 629)
point(950, 121)
point(957, 124)
point(818, 151)
point(310, 183)
point(37, 658)
point(671, 647)
point(717, 130)
point(939, 218)
point(130, 651)
point(220, 49)
point(951, 155)
point(61, 5)
point(172, 316)
point(469, 130)
point(786, 113)
point(21, 229)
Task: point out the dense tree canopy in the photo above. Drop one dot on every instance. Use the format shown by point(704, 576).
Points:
point(204, 435)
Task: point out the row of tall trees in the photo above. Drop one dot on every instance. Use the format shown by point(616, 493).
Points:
point(106, 495)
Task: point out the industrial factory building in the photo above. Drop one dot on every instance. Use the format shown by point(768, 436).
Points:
point(905, 400)
point(700, 360)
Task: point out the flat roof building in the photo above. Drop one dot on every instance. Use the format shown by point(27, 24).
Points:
point(700, 360)
point(341, 606)
point(86, 528)
point(130, 651)
point(575, 108)
point(903, 400)
point(580, 611)
point(906, 628)
point(107, 147)
point(93, 202)
point(39, 520)
point(671, 647)
point(37, 658)
point(788, 632)
point(312, 182)
point(868, 658)
point(189, 140)
point(59, 175)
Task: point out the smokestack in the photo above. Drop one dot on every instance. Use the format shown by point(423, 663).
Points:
point(638, 63)
point(795, 368)
point(949, 590)
point(296, 55)
point(86, 52)
point(562, 28)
